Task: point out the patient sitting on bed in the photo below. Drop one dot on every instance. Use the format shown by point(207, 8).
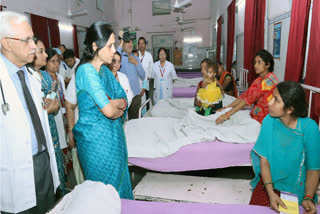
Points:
point(209, 96)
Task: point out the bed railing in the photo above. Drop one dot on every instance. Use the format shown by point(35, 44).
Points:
point(144, 105)
point(312, 90)
point(243, 80)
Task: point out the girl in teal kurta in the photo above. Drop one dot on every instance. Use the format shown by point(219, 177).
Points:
point(286, 154)
point(99, 131)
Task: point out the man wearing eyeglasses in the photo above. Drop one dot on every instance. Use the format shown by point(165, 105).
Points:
point(28, 170)
point(131, 66)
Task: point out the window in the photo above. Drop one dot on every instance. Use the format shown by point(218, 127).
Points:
point(161, 7)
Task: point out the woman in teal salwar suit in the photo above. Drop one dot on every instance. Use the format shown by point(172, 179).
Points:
point(99, 133)
point(286, 155)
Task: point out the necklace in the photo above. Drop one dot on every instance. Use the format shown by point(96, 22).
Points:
point(298, 128)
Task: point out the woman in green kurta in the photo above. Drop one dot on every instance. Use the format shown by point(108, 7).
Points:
point(286, 155)
point(102, 105)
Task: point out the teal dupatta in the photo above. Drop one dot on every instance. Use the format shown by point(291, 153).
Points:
point(290, 153)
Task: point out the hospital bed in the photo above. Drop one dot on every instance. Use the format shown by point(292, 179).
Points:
point(197, 156)
point(144, 207)
point(205, 155)
point(186, 84)
point(183, 87)
point(95, 197)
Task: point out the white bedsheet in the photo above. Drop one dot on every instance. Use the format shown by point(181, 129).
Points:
point(178, 107)
point(183, 82)
point(90, 197)
point(154, 137)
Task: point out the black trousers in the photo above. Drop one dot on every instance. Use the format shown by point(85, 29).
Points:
point(151, 89)
point(133, 111)
point(43, 183)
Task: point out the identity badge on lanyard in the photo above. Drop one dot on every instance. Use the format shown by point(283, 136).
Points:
point(162, 72)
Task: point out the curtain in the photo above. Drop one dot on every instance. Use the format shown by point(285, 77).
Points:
point(219, 38)
point(230, 37)
point(253, 34)
point(75, 41)
point(297, 39)
point(313, 62)
point(40, 28)
point(54, 32)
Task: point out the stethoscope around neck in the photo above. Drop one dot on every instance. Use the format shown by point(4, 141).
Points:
point(5, 105)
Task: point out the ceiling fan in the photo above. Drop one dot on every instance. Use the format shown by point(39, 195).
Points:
point(181, 21)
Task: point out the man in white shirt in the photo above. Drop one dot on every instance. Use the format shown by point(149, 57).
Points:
point(28, 169)
point(147, 64)
point(72, 62)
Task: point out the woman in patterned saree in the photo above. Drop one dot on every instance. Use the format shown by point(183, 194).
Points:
point(260, 91)
point(102, 104)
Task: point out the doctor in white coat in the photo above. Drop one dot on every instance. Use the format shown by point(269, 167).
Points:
point(163, 74)
point(28, 176)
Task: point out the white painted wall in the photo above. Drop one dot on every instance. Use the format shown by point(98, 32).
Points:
point(276, 11)
point(58, 9)
point(149, 25)
point(240, 10)
point(220, 8)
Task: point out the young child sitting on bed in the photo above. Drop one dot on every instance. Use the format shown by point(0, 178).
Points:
point(210, 94)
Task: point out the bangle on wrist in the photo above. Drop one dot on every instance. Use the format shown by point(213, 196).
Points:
point(265, 184)
point(308, 197)
point(125, 102)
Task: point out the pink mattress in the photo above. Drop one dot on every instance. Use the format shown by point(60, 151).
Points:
point(189, 75)
point(184, 91)
point(199, 156)
point(144, 207)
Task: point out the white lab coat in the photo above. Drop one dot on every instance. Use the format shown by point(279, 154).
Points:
point(17, 192)
point(168, 76)
point(147, 64)
point(124, 82)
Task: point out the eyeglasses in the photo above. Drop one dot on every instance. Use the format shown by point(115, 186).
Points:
point(28, 40)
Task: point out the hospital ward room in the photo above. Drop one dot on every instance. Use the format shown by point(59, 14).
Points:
point(159, 106)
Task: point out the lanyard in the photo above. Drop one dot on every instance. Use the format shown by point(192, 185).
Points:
point(162, 71)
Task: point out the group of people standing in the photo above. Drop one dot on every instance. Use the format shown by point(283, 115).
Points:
point(53, 99)
point(31, 98)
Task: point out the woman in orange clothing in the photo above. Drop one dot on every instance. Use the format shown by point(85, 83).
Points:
point(260, 91)
point(227, 81)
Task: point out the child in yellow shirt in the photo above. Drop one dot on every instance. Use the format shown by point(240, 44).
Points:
point(210, 94)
